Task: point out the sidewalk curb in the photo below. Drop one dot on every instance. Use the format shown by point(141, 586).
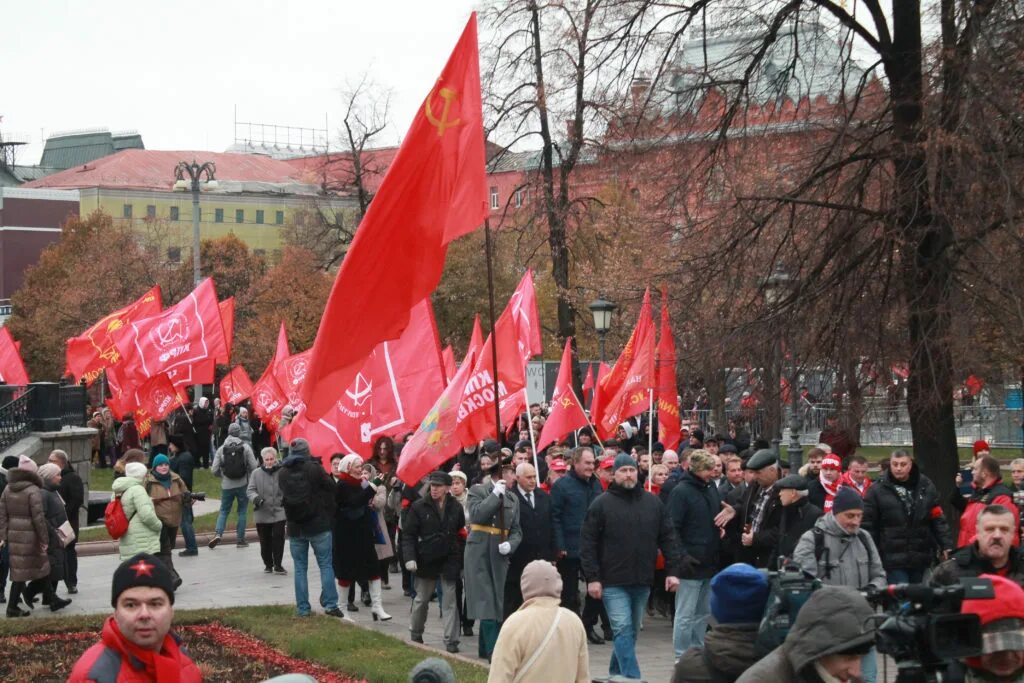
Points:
point(110, 547)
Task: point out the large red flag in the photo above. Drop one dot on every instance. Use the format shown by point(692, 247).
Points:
point(434, 192)
point(522, 306)
point(268, 398)
point(186, 336)
point(12, 367)
point(595, 403)
point(448, 358)
point(394, 389)
point(667, 393)
point(236, 386)
point(227, 318)
point(96, 348)
point(625, 391)
point(476, 339)
point(435, 441)
point(159, 398)
point(566, 412)
point(290, 374)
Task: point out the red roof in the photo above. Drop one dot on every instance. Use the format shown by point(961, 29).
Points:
point(335, 170)
point(147, 169)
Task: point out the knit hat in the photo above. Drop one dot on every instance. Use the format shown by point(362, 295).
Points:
point(10, 462)
point(141, 570)
point(980, 446)
point(541, 579)
point(846, 499)
point(457, 474)
point(623, 460)
point(135, 470)
point(299, 447)
point(27, 463)
point(234, 429)
point(432, 670)
point(831, 462)
point(161, 460)
point(48, 471)
point(1002, 619)
point(738, 594)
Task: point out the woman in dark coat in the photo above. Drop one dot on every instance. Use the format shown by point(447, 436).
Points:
point(355, 557)
point(56, 516)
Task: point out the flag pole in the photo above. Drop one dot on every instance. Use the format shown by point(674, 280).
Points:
point(529, 428)
point(650, 437)
point(494, 340)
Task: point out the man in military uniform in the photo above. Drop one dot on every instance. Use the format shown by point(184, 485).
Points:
point(494, 534)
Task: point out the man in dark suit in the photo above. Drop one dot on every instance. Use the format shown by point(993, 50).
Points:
point(538, 533)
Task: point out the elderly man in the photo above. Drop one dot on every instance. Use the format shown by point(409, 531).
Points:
point(760, 511)
point(538, 535)
point(137, 643)
point(622, 533)
point(675, 474)
point(1002, 634)
point(798, 516)
point(992, 551)
point(494, 534)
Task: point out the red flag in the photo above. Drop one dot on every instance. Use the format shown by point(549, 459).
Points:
point(227, 319)
point(182, 338)
point(143, 423)
point(159, 398)
point(525, 318)
point(476, 340)
point(394, 389)
point(12, 368)
point(588, 382)
point(236, 386)
point(267, 396)
point(96, 348)
point(602, 372)
point(566, 412)
point(448, 357)
point(290, 373)
point(282, 351)
point(625, 391)
point(434, 192)
point(669, 421)
point(435, 440)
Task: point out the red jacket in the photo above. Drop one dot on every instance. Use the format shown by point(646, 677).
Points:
point(997, 494)
point(116, 660)
point(846, 482)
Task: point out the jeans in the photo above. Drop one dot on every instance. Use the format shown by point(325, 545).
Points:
point(905, 576)
point(299, 548)
point(625, 606)
point(187, 530)
point(226, 497)
point(692, 610)
point(869, 667)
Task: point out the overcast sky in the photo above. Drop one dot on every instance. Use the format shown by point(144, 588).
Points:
point(176, 71)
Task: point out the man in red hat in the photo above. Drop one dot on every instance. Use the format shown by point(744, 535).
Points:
point(556, 470)
point(604, 472)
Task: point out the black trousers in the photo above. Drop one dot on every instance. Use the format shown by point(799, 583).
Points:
point(71, 563)
point(166, 554)
point(271, 542)
point(593, 610)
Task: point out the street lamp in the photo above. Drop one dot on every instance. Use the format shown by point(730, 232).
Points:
point(188, 177)
point(602, 311)
point(777, 286)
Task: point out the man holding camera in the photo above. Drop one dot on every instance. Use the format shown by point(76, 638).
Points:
point(992, 551)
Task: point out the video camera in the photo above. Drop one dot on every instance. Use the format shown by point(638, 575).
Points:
point(923, 630)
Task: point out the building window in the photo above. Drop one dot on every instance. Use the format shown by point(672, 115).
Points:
point(174, 254)
point(218, 215)
point(279, 217)
point(259, 216)
point(520, 197)
point(151, 211)
point(239, 215)
point(494, 198)
point(126, 211)
point(174, 213)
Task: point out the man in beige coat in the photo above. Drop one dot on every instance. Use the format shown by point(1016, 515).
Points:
point(541, 641)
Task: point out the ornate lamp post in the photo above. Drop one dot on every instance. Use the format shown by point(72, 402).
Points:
point(602, 311)
point(188, 176)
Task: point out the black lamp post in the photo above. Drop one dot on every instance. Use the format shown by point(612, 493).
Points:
point(777, 286)
point(188, 177)
point(602, 311)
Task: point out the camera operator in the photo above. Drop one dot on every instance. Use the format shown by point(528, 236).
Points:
point(829, 638)
point(1002, 634)
point(992, 551)
point(839, 553)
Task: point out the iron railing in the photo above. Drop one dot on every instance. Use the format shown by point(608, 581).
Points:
point(73, 400)
point(14, 419)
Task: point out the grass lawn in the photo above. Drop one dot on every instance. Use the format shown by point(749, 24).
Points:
point(876, 453)
point(102, 480)
point(355, 651)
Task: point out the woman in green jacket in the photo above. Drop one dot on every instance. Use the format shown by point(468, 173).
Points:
point(144, 526)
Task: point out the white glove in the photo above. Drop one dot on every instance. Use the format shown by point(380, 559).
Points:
point(505, 548)
point(411, 565)
point(499, 488)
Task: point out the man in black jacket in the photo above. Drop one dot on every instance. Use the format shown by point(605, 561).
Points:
point(760, 512)
point(622, 532)
point(992, 551)
point(902, 513)
point(72, 491)
point(432, 545)
point(308, 495)
point(798, 516)
point(538, 535)
point(693, 505)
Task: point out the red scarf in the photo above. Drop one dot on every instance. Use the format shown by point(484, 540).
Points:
point(347, 478)
point(831, 489)
point(163, 666)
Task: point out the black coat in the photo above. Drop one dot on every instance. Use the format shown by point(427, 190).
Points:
point(906, 541)
point(355, 558)
point(729, 550)
point(571, 497)
point(766, 540)
point(296, 468)
point(423, 519)
point(183, 464)
point(966, 562)
point(693, 506)
point(795, 520)
point(72, 490)
point(202, 424)
point(816, 493)
point(538, 533)
point(622, 533)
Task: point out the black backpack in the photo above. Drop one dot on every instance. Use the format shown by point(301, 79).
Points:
point(233, 465)
point(297, 495)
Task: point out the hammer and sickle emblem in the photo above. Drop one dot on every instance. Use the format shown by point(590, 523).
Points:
point(442, 124)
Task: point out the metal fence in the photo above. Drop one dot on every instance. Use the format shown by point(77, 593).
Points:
point(73, 400)
point(20, 409)
point(14, 420)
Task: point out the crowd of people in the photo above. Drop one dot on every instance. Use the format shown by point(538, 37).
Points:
point(541, 556)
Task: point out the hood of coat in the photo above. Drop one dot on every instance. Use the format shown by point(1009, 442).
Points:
point(122, 484)
point(731, 647)
point(623, 492)
point(232, 440)
point(19, 480)
point(834, 619)
point(830, 526)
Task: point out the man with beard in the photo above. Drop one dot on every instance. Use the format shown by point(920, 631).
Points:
point(992, 551)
